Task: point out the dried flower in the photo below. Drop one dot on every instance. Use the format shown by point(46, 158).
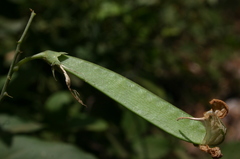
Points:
point(215, 129)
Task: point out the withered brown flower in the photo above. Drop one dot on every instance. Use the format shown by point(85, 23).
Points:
point(215, 129)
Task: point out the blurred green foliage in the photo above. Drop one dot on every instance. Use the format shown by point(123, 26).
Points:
point(184, 51)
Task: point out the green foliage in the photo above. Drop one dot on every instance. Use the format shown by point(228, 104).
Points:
point(183, 48)
point(135, 98)
point(125, 92)
point(15, 124)
point(29, 147)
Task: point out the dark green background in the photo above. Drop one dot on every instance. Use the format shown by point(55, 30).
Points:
point(185, 51)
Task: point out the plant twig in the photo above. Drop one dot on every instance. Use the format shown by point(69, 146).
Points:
point(15, 59)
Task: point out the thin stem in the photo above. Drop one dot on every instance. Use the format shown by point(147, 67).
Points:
point(26, 59)
point(199, 119)
point(15, 59)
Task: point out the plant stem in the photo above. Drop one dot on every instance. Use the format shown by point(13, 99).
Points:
point(16, 56)
point(26, 59)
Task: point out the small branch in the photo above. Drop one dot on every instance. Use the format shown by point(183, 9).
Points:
point(15, 59)
point(26, 59)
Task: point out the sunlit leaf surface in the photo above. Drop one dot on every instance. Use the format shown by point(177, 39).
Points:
point(136, 98)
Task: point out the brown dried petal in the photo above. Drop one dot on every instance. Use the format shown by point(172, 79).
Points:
point(215, 152)
point(74, 93)
point(219, 107)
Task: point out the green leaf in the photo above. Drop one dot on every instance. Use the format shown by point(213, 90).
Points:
point(57, 101)
point(155, 146)
point(16, 124)
point(133, 126)
point(29, 148)
point(136, 98)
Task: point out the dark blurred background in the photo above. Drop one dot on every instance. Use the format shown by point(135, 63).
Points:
point(187, 52)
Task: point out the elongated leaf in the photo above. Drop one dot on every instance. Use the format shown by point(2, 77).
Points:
point(136, 98)
point(129, 94)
